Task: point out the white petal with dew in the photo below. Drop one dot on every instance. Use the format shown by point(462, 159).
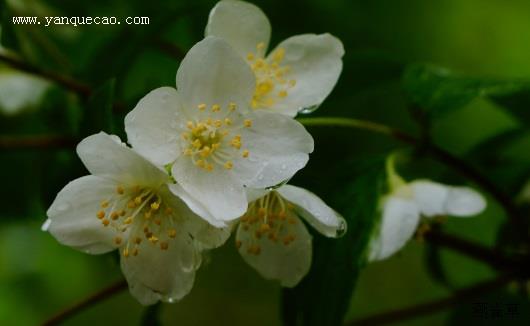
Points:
point(277, 261)
point(213, 73)
point(309, 206)
point(105, 157)
point(151, 128)
point(72, 216)
point(315, 63)
point(241, 24)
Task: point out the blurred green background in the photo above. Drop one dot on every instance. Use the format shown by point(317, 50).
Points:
point(479, 38)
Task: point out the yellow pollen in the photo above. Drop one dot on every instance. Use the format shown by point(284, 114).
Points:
point(128, 220)
point(228, 122)
point(172, 233)
point(201, 106)
point(125, 252)
point(120, 190)
point(155, 206)
point(232, 106)
point(247, 123)
point(164, 245)
point(117, 240)
point(153, 239)
point(278, 55)
point(200, 163)
point(260, 46)
point(264, 227)
point(190, 125)
point(114, 215)
point(135, 252)
point(105, 222)
point(147, 215)
point(215, 146)
point(100, 214)
point(105, 204)
point(250, 56)
point(138, 240)
point(218, 123)
point(197, 143)
point(122, 212)
point(205, 151)
point(228, 165)
point(131, 204)
point(282, 93)
point(216, 108)
point(245, 153)
point(138, 200)
point(188, 152)
point(209, 167)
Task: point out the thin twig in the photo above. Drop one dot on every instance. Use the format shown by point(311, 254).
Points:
point(169, 48)
point(85, 303)
point(65, 81)
point(460, 296)
point(36, 142)
point(492, 257)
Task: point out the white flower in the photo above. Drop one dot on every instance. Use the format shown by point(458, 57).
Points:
point(20, 91)
point(299, 74)
point(126, 204)
point(403, 207)
point(215, 143)
point(272, 238)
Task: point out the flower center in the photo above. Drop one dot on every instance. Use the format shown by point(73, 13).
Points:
point(270, 218)
point(271, 86)
point(215, 140)
point(141, 212)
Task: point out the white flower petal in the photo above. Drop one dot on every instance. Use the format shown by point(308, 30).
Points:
point(195, 206)
point(166, 275)
point(241, 24)
point(315, 63)
point(149, 126)
point(253, 194)
point(398, 224)
point(207, 235)
point(464, 201)
point(104, 157)
point(20, 91)
point(275, 260)
point(72, 215)
point(218, 191)
point(278, 147)
point(322, 217)
point(213, 73)
point(438, 199)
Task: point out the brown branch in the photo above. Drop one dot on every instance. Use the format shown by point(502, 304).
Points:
point(440, 154)
point(36, 142)
point(77, 87)
point(97, 297)
point(459, 297)
point(169, 48)
point(492, 257)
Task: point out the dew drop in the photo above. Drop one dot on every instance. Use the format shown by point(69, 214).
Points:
point(276, 186)
point(171, 300)
point(309, 109)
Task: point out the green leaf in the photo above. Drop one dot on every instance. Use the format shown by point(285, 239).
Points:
point(98, 110)
point(438, 91)
point(323, 297)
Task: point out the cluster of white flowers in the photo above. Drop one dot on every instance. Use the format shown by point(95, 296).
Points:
point(211, 155)
point(214, 154)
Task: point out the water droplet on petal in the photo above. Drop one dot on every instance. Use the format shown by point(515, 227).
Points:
point(171, 300)
point(309, 109)
point(276, 186)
